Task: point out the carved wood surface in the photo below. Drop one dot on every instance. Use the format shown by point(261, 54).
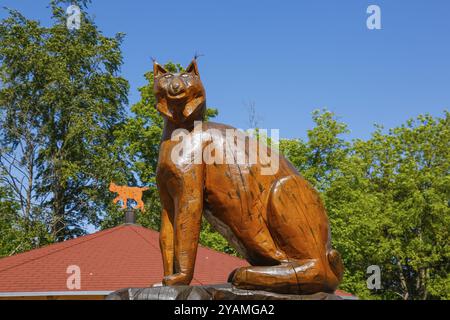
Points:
point(276, 221)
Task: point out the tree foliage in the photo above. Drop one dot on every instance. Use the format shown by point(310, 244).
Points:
point(388, 202)
point(139, 139)
point(18, 234)
point(60, 101)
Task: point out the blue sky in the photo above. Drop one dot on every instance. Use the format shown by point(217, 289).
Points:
point(290, 57)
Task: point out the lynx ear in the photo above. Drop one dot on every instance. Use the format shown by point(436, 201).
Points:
point(193, 68)
point(158, 69)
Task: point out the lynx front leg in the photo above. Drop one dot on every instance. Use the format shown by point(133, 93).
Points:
point(124, 202)
point(187, 197)
point(166, 241)
point(166, 233)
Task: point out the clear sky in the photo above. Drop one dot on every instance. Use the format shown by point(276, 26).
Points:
point(289, 57)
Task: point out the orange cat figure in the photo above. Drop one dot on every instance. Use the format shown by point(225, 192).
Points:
point(128, 193)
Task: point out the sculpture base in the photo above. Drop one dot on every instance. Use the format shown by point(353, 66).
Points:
point(213, 292)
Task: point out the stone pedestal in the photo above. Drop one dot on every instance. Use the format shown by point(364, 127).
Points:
point(213, 292)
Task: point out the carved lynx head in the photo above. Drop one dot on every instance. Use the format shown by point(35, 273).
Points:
point(180, 97)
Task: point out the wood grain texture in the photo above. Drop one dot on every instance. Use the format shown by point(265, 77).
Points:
point(277, 221)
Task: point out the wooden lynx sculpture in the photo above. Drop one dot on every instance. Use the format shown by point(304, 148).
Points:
point(125, 193)
point(277, 222)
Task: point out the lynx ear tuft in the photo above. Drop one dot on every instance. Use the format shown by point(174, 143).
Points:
point(158, 69)
point(193, 68)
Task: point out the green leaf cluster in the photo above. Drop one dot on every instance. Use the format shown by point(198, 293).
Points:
point(388, 202)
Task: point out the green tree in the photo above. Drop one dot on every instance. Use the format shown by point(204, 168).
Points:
point(18, 234)
point(140, 137)
point(319, 157)
point(390, 207)
point(61, 100)
point(387, 199)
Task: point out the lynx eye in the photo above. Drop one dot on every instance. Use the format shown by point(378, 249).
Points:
point(185, 75)
point(167, 76)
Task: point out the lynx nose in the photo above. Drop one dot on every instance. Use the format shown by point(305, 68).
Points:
point(175, 87)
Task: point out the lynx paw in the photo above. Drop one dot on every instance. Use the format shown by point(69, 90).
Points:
point(176, 279)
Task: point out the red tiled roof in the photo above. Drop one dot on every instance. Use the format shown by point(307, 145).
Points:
point(121, 257)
